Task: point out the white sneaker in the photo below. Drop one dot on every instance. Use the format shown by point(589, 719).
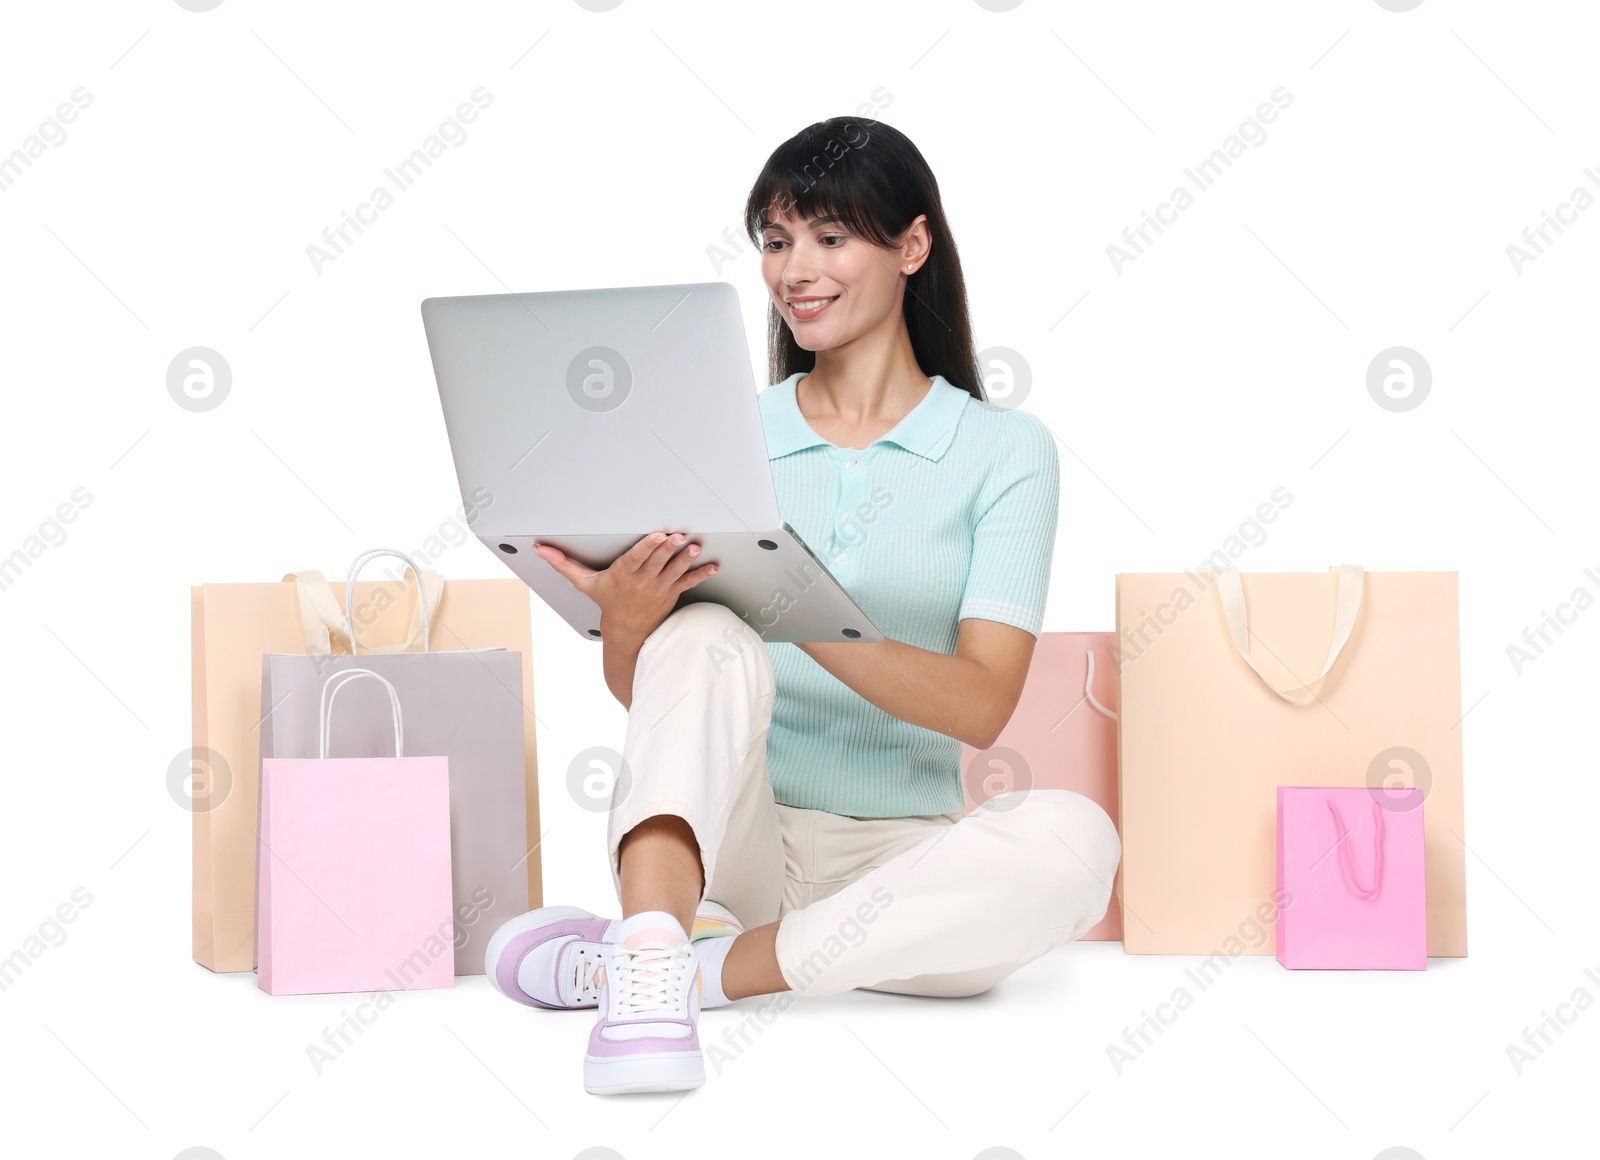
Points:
point(646, 1038)
point(554, 957)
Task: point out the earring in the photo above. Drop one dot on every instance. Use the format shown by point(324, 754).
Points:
point(911, 266)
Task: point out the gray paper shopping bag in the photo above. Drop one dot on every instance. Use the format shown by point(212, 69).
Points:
point(463, 704)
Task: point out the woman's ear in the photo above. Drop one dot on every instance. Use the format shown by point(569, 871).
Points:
point(915, 242)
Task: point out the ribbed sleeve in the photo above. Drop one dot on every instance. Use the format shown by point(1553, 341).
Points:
point(1015, 534)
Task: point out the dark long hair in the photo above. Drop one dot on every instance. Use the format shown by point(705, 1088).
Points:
point(876, 180)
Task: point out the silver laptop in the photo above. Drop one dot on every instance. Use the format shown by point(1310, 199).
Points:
point(586, 419)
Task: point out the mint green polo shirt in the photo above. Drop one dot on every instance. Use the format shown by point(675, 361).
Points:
point(952, 514)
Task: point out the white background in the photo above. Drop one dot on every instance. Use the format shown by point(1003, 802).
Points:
point(1227, 361)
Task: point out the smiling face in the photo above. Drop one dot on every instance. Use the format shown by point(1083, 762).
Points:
point(830, 285)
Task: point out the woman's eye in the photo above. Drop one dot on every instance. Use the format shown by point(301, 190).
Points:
point(773, 246)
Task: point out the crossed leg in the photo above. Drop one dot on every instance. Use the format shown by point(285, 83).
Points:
point(1031, 870)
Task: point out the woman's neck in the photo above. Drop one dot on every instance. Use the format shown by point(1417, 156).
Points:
point(853, 403)
point(861, 389)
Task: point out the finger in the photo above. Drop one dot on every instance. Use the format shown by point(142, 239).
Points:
point(689, 579)
point(572, 569)
point(634, 557)
point(657, 559)
point(682, 562)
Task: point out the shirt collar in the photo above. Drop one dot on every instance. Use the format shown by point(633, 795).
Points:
point(926, 429)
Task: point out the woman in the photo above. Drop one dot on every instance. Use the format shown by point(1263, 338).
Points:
point(792, 818)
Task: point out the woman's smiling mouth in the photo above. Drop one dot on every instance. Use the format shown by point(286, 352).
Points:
point(805, 309)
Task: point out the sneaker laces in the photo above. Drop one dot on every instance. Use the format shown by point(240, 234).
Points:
point(586, 968)
point(648, 975)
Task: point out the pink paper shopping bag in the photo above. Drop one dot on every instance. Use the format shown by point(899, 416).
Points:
point(1351, 882)
point(353, 887)
point(1062, 735)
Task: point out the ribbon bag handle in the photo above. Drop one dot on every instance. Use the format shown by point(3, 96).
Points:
point(1347, 606)
point(320, 617)
point(324, 623)
point(1347, 860)
point(330, 692)
point(350, 597)
point(1088, 685)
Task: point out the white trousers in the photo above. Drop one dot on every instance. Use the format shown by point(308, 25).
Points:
point(930, 905)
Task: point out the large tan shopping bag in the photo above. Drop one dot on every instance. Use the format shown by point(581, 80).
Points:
point(461, 704)
point(1062, 735)
point(1231, 686)
point(233, 626)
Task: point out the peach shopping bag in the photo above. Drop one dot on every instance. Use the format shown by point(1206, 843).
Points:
point(1231, 686)
point(1063, 735)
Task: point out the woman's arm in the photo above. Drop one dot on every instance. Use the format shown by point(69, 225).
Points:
point(636, 592)
point(969, 695)
point(620, 656)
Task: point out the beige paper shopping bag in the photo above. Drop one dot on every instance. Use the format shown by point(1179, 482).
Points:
point(234, 625)
point(1230, 686)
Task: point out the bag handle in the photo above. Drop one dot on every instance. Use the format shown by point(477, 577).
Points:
point(1348, 861)
point(1347, 605)
point(350, 594)
point(324, 623)
point(1088, 685)
point(330, 692)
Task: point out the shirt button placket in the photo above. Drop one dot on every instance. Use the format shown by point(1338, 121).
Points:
point(851, 483)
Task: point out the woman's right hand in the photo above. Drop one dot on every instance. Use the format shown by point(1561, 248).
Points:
point(640, 588)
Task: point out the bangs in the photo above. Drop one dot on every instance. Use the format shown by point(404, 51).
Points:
point(818, 175)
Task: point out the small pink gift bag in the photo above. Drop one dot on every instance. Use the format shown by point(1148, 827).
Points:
point(1351, 883)
point(353, 888)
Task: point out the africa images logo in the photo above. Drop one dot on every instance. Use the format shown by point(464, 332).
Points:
point(599, 379)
